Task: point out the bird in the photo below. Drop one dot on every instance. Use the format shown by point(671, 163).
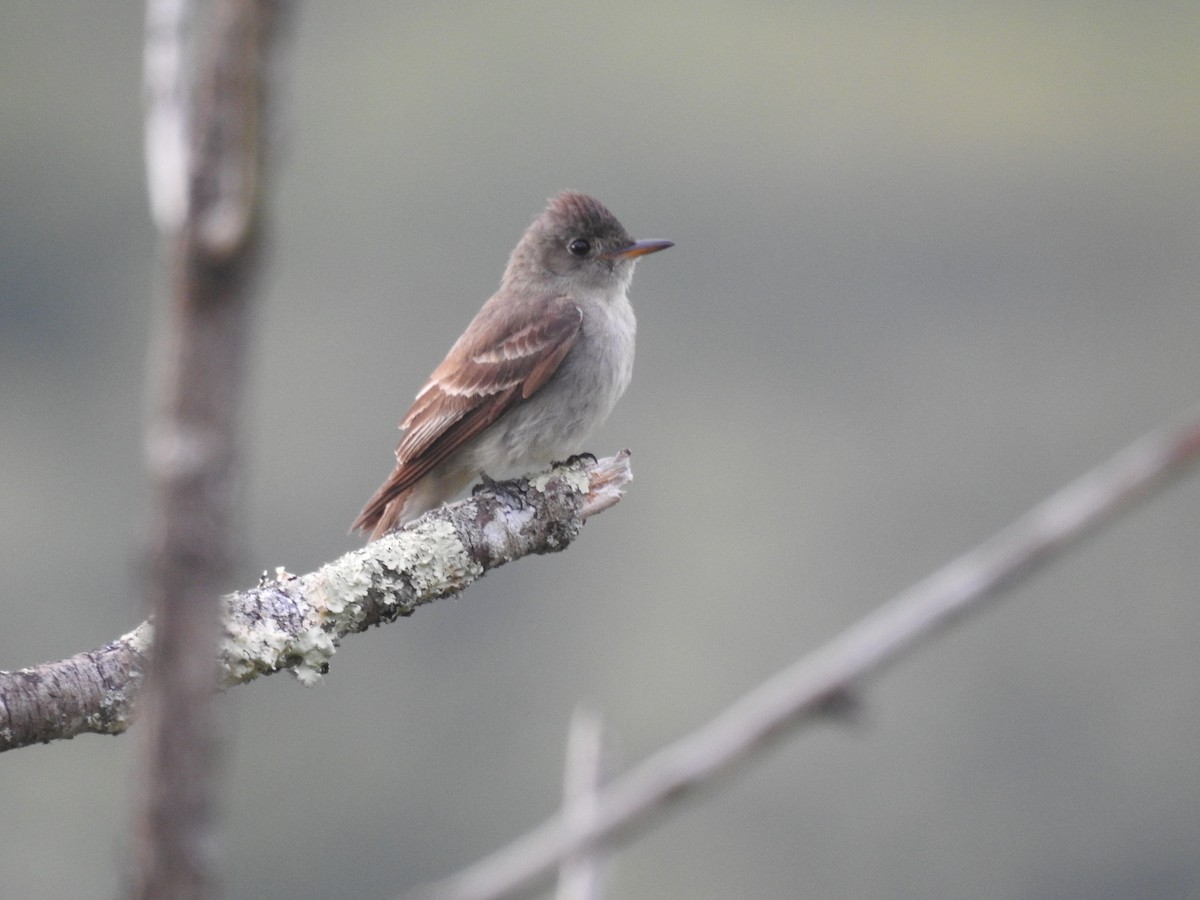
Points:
point(540, 366)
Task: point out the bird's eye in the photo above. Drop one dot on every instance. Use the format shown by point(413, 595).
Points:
point(579, 247)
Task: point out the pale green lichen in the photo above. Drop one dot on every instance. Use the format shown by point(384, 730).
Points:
point(114, 713)
point(339, 592)
point(428, 560)
point(251, 647)
point(577, 479)
point(140, 640)
point(315, 648)
point(432, 558)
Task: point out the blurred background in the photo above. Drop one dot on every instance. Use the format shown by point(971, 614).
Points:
point(933, 260)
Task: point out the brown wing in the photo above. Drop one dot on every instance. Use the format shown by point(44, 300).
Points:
point(502, 358)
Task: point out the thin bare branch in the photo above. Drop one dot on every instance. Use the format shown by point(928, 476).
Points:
point(296, 623)
point(165, 88)
point(204, 170)
point(821, 681)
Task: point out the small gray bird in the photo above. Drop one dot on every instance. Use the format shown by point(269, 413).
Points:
point(540, 366)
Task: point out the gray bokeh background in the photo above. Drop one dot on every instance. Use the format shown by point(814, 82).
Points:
point(932, 261)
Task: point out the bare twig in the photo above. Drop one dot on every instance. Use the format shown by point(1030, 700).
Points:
point(167, 98)
point(579, 876)
point(296, 622)
point(204, 173)
point(820, 681)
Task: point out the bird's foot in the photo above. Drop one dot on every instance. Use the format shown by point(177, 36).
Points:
point(505, 490)
point(574, 460)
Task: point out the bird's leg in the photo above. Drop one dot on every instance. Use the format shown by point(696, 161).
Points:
point(505, 490)
point(575, 459)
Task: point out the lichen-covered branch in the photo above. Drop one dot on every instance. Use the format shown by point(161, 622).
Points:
point(296, 622)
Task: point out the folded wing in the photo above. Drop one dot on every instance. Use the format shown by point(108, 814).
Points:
point(502, 359)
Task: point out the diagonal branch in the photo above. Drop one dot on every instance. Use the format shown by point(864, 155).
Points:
point(296, 622)
point(822, 682)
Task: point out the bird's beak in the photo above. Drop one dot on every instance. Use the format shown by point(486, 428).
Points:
point(639, 248)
